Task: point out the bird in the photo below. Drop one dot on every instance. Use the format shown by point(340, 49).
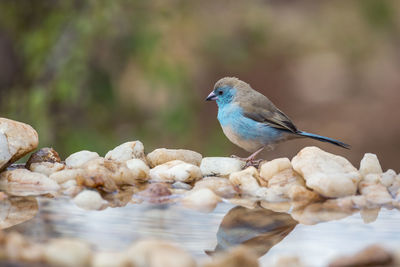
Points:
point(251, 121)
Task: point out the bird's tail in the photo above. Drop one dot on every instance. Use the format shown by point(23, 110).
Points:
point(323, 139)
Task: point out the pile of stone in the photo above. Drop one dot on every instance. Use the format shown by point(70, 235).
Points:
point(314, 186)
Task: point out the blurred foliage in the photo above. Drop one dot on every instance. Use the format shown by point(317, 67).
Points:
point(93, 74)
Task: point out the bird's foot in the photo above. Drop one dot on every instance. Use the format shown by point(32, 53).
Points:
point(250, 161)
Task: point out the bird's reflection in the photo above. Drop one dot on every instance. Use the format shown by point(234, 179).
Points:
point(258, 229)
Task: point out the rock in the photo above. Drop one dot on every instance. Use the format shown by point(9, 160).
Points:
point(220, 166)
point(129, 172)
point(388, 178)
point(16, 140)
point(288, 261)
point(70, 188)
point(68, 252)
point(163, 155)
point(158, 253)
point(89, 200)
point(21, 182)
point(270, 168)
point(373, 255)
point(65, 175)
point(138, 169)
point(127, 151)
point(203, 200)
point(236, 257)
point(329, 175)
point(247, 182)
point(45, 154)
point(78, 159)
point(46, 168)
point(220, 186)
point(175, 170)
point(375, 193)
point(181, 185)
point(370, 165)
point(110, 259)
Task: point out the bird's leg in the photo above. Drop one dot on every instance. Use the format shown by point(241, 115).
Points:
point(250, 160)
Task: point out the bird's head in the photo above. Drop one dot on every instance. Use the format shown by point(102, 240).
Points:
point(226, 90)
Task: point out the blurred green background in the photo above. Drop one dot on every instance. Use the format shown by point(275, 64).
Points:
point(94, 74)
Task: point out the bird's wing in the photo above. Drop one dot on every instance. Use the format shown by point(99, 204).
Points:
point(261, 109)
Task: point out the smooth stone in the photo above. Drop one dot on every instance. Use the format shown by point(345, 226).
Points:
point(22, 182)
point(78, 159)
point(271, 168)
point(220, 166)
point(247, 182)
point(175, 170)
point(89, 200)
point(44, 154)
point(220, 186)
point(370, 165)
point(66, 175)
point(328, 174)
point(158, 253)
point(181, 185)
point(46, 168)
point(127, 151)
point(68, 252)
point(162, 155)
point(16, 140)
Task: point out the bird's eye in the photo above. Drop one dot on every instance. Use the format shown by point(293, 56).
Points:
point(220, 92)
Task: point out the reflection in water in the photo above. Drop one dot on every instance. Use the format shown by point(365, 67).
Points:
point(258, 229)
point(15, 210)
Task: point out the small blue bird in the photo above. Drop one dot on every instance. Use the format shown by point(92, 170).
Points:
point(251, 121)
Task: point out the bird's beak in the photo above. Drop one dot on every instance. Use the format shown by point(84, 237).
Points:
point(211, 97)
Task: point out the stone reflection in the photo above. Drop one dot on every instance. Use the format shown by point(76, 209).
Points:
point(15, 210)
point(257, 229)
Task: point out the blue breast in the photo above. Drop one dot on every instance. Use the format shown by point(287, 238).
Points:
point(231, 115)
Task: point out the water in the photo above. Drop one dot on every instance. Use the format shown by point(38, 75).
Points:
point(269, 234)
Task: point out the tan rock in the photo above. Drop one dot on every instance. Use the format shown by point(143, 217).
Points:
point(329, 175)
point(129, 172)
point(388, 178)
point(46, 168)
point(288, 261)
point(273, 167)
point(370, 165)
point(127, 151)
point(163, 155)
point(220, 186)
point(175, 170)
point(68, 252)
point(158, 253)
point(203, 200)
point(375, 192)
point(220, 166)
point(16, 140)
point(89, 200)
point(65, 175)
point(247, 182)
point(21, 182)
point(110, 259)
point(373, 255)
point(78, 159)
